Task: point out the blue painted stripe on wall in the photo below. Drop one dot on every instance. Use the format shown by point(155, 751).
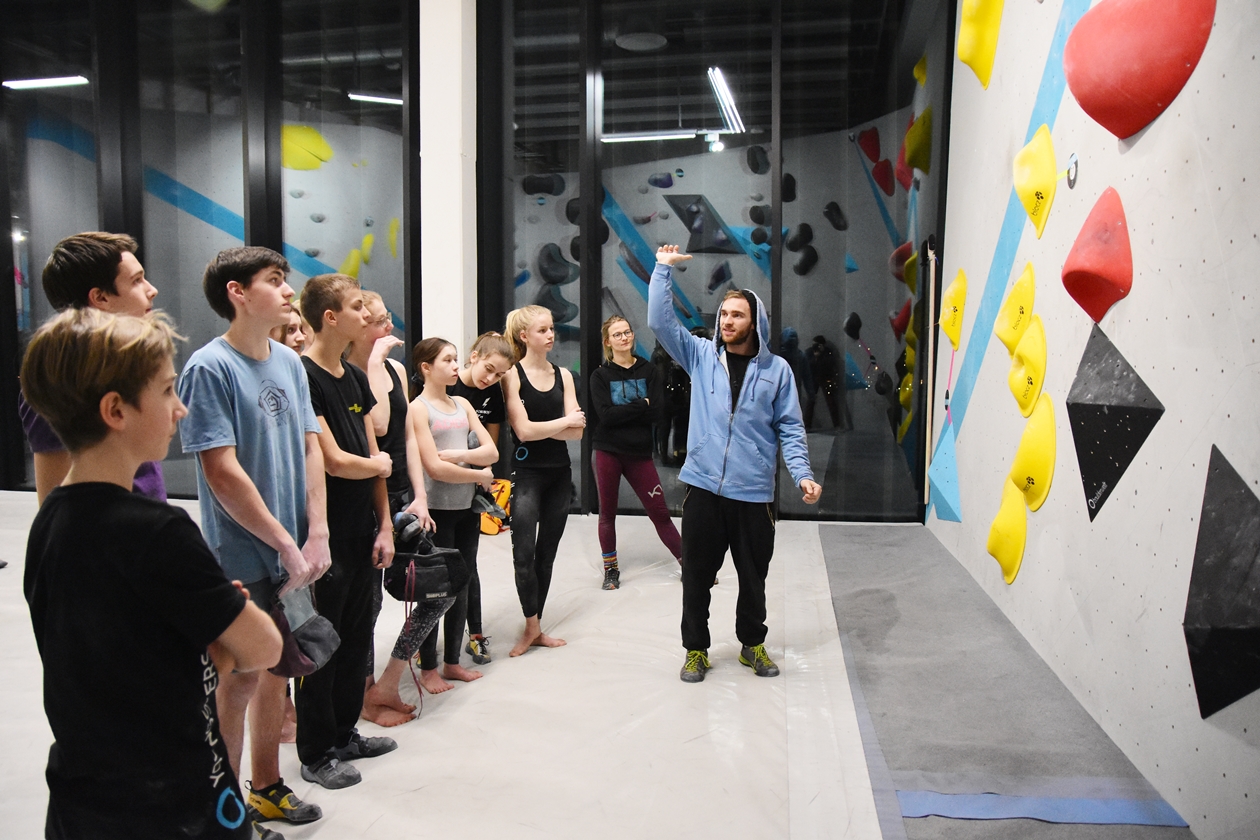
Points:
point(627, 233)
point(162, 186)
point(1045, 111)
point(992, 806)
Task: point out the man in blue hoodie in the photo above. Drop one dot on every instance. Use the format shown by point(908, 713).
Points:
point(744, 408)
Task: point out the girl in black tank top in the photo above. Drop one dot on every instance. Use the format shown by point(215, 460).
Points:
point(544, 415)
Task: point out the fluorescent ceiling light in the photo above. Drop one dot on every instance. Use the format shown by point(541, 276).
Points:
point(726, 102)
point(372, 97)
point(644, 137)
point(58, 81)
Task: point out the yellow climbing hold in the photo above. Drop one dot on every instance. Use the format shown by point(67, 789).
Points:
point(912, 335)
point(978, 36)
point(910, 355)
point(1033, 469)
point(920, 70)
point(393, 237)
point(919, 141)
point(911, 273)
point(1009, 532)
point(1015, 313)
point(906, 390)
point(302, 147)
point(1028, 366)
point(1036, 177)
point(366, 248)
point(905, 426)
point(953, 302)
point(350, 265)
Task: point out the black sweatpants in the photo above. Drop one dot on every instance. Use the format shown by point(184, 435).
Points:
point(540, 510)
point(459, 529)
point(710, 525)
point(328, 701)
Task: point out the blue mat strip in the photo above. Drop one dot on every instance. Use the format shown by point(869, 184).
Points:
point(992, 806)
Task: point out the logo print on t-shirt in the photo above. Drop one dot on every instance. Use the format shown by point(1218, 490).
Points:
point(272, 399)
point(356, 408)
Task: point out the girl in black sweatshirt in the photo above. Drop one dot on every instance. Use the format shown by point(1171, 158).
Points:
point(627, 396)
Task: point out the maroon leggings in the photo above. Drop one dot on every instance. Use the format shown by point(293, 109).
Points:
point(641, 473)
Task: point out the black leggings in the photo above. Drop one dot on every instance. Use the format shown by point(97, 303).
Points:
point(455, 529)
point(540, 510)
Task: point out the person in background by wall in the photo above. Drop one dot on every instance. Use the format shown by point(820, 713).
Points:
point(543, 411)
point(444, 427)
point(99, 271)
point(488, 360)
point(826, 367)
point(626, 396)
point(119, 585)
point(290, 334)
point(671, 431)
point(260, 478)
point(361, 534)
point(745, 409)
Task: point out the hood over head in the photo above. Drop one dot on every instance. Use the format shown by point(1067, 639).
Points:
point(761, 324)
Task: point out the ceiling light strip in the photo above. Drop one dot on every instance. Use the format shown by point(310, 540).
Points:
point(56, 81)
point(726, 102)
point(372, 97)
point(643, 138)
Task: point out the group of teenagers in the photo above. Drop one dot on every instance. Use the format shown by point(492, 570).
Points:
point(308, 450)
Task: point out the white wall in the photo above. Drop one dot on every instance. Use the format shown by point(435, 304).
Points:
point(1103, 601)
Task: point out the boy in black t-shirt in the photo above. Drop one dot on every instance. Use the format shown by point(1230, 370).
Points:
point(360, 534)
point(119, 584)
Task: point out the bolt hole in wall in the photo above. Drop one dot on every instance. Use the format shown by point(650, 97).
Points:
point(687, 159)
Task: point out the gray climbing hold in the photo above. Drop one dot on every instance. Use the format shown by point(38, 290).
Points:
point(318, 217)
point(312, 252)
point(369, 221)
point(297, 193)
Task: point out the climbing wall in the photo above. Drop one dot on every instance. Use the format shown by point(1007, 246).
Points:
point(1104, 392)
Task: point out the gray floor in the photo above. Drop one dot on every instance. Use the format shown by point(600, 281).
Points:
point(959, 701)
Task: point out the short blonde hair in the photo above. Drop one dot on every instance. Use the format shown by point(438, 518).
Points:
point(323, 293)
point(518, 321)
point(79, 356)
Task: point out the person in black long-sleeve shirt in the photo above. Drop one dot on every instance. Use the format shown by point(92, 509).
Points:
point(627, 395)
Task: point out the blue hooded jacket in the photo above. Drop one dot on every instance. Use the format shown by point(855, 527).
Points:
point(733, 453)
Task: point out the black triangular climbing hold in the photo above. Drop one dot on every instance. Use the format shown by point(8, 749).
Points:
point(1222, 620)
point(1112, 412)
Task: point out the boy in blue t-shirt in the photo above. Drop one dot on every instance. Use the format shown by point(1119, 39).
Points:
point(122, 584)
point(260, 478)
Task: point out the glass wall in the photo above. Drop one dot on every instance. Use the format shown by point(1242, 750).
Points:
point(542, 189)
point(705, 136)
point(337, 203)
point(51, 141)
point(706, 188)
point(194, 202)
point(342, 148)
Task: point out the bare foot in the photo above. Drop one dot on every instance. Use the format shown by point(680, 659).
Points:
point(288, 729)
point(543, 640)
point(385, 716)
point(459, 672)
point(380, 695)
point(433, 682)
point(527, 638)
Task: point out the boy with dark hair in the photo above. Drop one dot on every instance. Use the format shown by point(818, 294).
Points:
point(97, 270)
point(260, 478)
point(360, 534)
point(119, 584)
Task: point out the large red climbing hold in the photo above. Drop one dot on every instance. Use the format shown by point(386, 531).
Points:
point(1126, 60)
point(1099, 269)
point(882, 172)
point(869, 141)
point(900, 319)
point(897, 260)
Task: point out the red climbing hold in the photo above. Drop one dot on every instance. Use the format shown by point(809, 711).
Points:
point(1099, 269)
point(1126, 60)
point(897, 260)
point(882, 172)
point(905, 175)
point(869, 141)
point(900, 319)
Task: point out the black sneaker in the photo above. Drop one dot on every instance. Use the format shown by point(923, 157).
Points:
point(360, 747)
point(279, 802)
point(757, 659)
point(331, 773)
point(479, 648)
point(695, 666)
point(263, 833)
point(612, 578)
